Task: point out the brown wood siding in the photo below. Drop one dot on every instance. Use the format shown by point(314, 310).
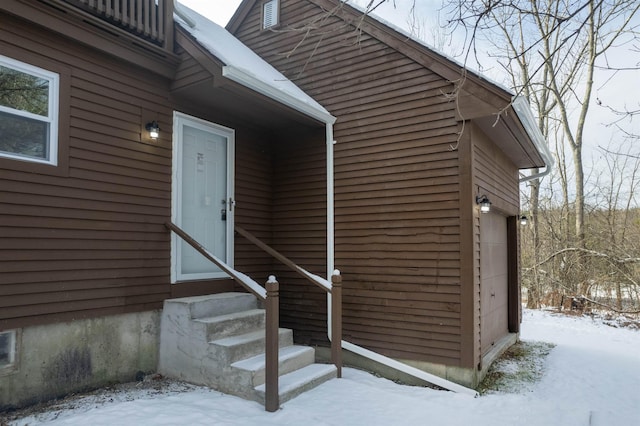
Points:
point(469, 269)
point(87, 239)
point(189, 72)
point(254, 199)
point(497, 177)
point(397, 184)
point(299, 231)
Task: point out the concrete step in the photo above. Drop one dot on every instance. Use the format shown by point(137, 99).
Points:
point(232, 324)
point(219, 341)
point(246, 345)
point(293, 384)
point(212, 305)
point(290, 358)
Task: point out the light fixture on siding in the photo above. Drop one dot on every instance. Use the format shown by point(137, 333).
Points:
point(153, 129)
point(484, 203)
point(523, 220)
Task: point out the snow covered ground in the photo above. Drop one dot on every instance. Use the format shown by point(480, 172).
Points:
point(591, 377)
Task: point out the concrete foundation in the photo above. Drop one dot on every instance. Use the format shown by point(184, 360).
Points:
point(57, 359)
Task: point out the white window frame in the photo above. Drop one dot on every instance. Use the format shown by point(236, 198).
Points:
point(53, 110)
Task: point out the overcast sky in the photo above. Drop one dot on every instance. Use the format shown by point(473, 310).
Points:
point(219, 11)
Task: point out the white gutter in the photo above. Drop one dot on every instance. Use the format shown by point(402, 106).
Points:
point(523, 111)
point(242, 77)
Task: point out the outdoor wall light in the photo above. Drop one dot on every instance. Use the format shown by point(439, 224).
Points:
point(484, 203)
point(523, 220)
point(153, 129)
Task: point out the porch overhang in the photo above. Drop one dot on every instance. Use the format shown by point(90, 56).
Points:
point(246, 79)
point(241, 65)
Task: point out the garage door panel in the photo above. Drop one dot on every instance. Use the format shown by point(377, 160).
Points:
point(494, 294)
point(494, 279)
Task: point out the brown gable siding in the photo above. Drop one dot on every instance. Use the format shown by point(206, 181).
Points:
point(495, 175)
point(189, 71)
point(396, 183)
point(90, 241)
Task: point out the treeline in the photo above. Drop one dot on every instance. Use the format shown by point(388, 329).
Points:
point(603, 275)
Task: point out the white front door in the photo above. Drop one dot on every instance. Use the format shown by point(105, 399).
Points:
point(203, 158)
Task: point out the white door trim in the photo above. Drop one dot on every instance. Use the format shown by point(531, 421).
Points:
point(179, 120)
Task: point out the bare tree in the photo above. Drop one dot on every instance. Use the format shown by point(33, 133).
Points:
point(553, 49)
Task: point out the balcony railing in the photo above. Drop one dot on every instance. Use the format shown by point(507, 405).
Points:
point(151, 20)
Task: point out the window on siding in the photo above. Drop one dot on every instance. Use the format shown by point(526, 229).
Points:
point(28, 112)
point(269, 14)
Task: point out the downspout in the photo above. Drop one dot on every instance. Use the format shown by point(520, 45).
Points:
point(330, 212)
point(359, 350)
point(523, 111)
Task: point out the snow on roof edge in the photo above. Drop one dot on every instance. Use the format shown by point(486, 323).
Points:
point(245, 67)
point(523, 111)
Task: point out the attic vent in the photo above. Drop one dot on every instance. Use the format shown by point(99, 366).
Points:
point(269, 14)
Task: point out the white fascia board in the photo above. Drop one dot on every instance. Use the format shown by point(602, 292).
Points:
point(523, 111)
point(240, 76)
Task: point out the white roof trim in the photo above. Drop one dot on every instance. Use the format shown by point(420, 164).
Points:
point(523, 111)
point(257, 85)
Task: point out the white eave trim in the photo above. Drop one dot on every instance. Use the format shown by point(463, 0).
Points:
point(523, 111)
point(240, 76)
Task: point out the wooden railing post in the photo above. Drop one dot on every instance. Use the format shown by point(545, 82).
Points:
point(167, 24)
point(272, 306)
point(336, 321)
